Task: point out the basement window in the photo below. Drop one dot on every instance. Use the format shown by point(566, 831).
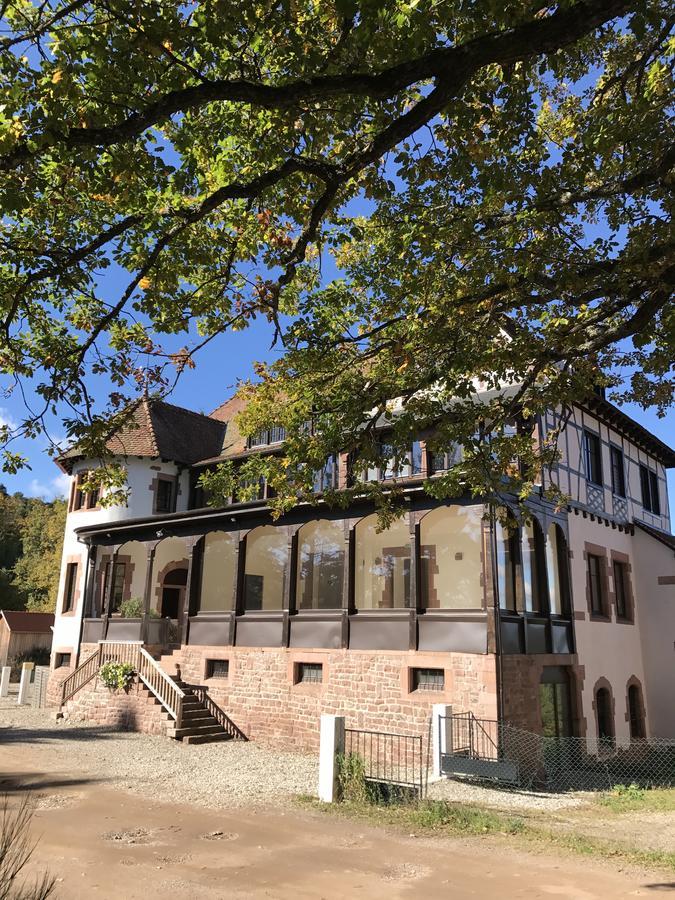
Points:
point(428, 679)
point(217, 668)
point(62, 660)
point(309, 673)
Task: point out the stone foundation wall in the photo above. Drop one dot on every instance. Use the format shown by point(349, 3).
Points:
point(521, 679)
point(132, 710)
point(372, 689)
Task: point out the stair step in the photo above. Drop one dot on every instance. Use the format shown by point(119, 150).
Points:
point(197, 714)
point(206, 738)
point(180, 733)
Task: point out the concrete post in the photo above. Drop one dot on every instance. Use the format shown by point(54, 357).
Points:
point(4, 680)
point(441, 734)
point(332, 743)
point(24, 684)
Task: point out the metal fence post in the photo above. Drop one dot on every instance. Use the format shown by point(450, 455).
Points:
point(332, 743)
point(441, 723)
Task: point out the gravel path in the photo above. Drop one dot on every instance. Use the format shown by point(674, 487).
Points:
point(213, 775)
point(465, 792)
point(233, 773)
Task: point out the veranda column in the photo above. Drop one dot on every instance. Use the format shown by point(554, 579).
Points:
point(414, 579)
point(150, 547)
point(289, 586)
point(109, 588)
point(347, 600)
point(238, 581)
point(193, 582)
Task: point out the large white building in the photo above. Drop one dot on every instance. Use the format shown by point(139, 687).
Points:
point(564, 627)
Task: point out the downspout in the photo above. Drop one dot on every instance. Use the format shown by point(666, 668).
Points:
point(499, 669)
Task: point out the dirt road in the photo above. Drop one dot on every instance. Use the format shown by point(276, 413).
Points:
point(107, 842)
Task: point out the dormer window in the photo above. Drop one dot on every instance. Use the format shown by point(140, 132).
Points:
point(274, 435)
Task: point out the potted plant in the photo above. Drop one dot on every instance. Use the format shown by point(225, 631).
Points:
point(116, 676)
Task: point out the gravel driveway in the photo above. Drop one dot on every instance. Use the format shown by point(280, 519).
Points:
point(233, 773)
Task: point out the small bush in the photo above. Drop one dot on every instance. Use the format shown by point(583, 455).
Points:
point(116, 675)
point(131, 608)
point(351, 777)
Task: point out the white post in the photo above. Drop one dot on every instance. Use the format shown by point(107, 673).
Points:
point(332, 742)
point(4, 680)
point(440, 734)
point(24, 684)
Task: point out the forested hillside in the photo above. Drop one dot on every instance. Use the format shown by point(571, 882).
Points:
point(31, 538)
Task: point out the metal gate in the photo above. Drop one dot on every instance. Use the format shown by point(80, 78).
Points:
point(389, 758)
point(471, 746)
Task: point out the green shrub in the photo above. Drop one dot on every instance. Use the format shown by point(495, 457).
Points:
point(131, 608)
point(351, 778)
point(116, 675)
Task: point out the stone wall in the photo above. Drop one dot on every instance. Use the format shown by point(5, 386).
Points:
point(522, 676)
point(135, 709)
point(371, 689)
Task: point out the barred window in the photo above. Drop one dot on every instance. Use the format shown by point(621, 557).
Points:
point(309, 673)
point(217, 668)
point(428, 679)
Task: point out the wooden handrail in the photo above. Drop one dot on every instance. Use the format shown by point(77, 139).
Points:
point(148, 670)
point(82, 675)
point(218, 714)
point(160, 684)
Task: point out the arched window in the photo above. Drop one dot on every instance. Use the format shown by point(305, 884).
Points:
point(509, 567)
point(636, 713)
point(604, 717)
point(450, 554)
point(321, 560)
point(382, 565)
point(266, 568)
point(219, 555)
point(558, 572)
point(534, 567)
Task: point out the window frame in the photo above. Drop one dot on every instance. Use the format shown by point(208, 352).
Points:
point(119, 566)
point(593, 457)
point(70, 586)
point(304, 668)
point(595, 559)
point(433, 685)
point(59, 660)
point(617, 466)
point(165, 481)
point(606, 737)
point(276, 434)
point(636, 716)
point(649, 487)
point(621, 590)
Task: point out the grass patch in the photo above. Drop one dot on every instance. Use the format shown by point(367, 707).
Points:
point(632, 798)
point(457, 819)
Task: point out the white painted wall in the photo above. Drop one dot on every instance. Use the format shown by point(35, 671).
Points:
point(140, 474)
point(611, 650)
point(654, 561)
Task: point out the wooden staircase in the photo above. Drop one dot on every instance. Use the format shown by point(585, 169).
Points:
point(192, 716)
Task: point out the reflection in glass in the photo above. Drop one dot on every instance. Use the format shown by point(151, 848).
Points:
point(266, 568)
point(321, 555)
point(534, 567)
point(450, 554)
point(509, 567)
point(218, 572)
point(557, 571)
point(382, 565)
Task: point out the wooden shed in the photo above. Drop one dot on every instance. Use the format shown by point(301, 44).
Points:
point(21, 632)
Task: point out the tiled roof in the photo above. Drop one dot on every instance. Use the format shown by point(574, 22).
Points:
point(663, 536)
point(159, 429)
point(28, 622)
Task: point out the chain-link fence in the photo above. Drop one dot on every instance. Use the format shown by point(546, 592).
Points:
point(488, 749)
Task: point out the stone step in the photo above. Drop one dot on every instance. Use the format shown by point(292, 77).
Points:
point(196, 730)
point(196, 713)
point(206, 738)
